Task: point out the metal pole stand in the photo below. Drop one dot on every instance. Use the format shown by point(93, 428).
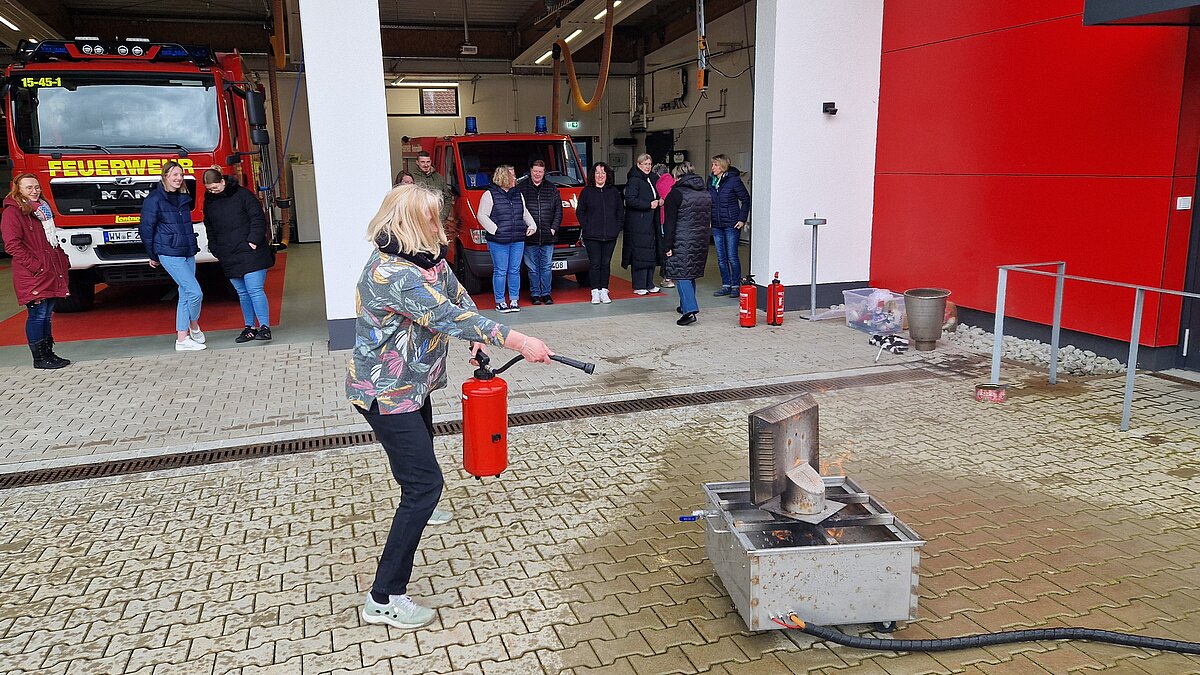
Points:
point(815, 222)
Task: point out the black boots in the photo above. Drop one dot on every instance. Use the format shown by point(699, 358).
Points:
point(55, 357)
point(43, 356)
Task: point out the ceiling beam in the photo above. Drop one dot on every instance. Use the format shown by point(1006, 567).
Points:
point(444, 42)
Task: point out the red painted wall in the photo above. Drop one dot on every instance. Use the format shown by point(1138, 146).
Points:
point(1011, 133)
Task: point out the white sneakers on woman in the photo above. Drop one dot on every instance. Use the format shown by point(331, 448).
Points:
point(595, 296)
point(196, 334)
point(600, 295)
point(187, 344)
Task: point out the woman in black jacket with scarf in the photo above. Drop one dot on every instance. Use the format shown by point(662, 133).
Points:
point(600, 211)
point(641, 244)
point(237, 236)
point(686, 229)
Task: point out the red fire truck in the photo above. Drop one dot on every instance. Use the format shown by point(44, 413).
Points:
point(467, 163)
point(95, 120)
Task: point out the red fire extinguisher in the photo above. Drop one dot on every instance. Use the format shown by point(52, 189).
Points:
point(775, 302)
point(748, 303)
point(485, 415)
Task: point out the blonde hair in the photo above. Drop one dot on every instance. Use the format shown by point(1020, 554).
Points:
point(722, 161)
point(406, 216)
point(505, 173)
point(643, 157)
point(682, 169)
point(167, 169)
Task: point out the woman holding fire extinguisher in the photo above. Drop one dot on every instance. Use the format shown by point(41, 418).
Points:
point(410, 305)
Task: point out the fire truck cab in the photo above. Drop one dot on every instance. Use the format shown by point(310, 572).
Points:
point(467, 162)
point(96, 120)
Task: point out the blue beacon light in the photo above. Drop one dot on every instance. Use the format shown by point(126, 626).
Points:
point(539, 124)
point(472, 126)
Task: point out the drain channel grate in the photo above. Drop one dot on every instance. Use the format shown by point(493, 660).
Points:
point(334, 441)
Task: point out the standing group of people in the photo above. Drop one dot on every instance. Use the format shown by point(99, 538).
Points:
point(237, 236)
point(666, 219)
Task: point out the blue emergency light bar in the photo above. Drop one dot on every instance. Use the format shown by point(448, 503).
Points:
point(93, 48)
point(472, 126)
point(539, 124)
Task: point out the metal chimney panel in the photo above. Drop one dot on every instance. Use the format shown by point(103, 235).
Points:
point(782, 437)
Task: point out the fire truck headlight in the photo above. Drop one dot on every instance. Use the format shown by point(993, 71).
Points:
point(87, 49)
point(138, 51)
point(123, 50)
point(98, 50)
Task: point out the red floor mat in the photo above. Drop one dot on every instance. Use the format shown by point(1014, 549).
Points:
point(563, 289)
point(138, 311)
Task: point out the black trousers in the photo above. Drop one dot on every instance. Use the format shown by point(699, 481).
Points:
point(407, 438)
point(643, 278)
point(600, 255)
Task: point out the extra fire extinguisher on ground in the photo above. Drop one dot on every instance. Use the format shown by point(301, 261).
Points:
point(775, 302)
point(748, 303)
point(485, 415)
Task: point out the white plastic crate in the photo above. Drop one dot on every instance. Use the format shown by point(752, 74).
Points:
point(874, 310)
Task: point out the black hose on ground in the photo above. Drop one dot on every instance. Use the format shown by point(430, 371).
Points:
point(1007, 637)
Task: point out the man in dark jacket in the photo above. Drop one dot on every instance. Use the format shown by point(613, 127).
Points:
point(730, 209)
point(237, 236)
point(640, 250)
point(544, 203)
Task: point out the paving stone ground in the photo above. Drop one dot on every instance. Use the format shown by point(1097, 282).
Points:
point(1037, 512)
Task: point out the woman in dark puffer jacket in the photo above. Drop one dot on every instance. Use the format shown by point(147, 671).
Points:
point(170, 238)
point(686, 229)
point(237, 236)
point(640, 250)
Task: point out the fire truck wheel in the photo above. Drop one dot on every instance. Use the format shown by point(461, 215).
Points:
point(470, 281)
point(82, 287)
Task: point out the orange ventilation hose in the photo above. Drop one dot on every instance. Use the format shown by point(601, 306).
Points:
point(605, 61)
point(277, 36)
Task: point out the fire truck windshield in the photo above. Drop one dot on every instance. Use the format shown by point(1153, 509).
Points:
point(480, 159)
point(99, 112)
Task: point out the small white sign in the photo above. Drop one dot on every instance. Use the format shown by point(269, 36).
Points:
point(1183, 203)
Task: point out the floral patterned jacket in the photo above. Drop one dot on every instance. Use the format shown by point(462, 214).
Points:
point(409, 307)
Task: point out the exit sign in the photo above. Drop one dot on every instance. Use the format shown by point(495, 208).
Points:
point(572, 124)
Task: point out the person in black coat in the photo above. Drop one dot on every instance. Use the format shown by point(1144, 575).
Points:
point(170, 241)
point(544, 203)
point(641, 243)
point(237, 236)
point(686, 229)
point(601, 211)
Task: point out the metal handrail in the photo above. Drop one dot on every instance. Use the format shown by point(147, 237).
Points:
point(1060, 276)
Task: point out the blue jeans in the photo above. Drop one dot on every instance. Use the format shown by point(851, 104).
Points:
point(687, 295)
point(253, 298)
point(506, 267)
point(537, 259)
point(37, 324)
point(183, 271)
point(726, 240)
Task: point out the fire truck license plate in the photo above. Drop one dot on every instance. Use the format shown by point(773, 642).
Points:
point(558, 264)
point(122, 237)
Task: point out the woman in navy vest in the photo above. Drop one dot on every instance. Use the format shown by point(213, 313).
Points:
point(507, 222)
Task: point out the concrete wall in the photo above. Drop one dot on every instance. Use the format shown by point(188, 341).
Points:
point(807, 53)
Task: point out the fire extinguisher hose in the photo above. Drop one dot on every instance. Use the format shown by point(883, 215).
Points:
point(986, 639)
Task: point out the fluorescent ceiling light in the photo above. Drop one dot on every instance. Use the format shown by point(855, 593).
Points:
point(574, 35)
point(543, 57)
point(8, 23)
point(425, 84)
point(605, 11)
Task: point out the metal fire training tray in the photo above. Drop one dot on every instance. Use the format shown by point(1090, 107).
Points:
point(859, 566)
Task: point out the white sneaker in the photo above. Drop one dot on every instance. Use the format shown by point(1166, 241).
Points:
point(656, 289)
point(440, 517)
point(188, 345)
point(595, 296)
point(196, 335)
point(640, 291)
point(401, 612)
point(604, 296)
